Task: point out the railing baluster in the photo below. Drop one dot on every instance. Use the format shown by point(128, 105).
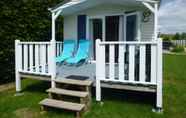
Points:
point(103, 61)
point(31, 57)
point(112, 62)
point(131, 63)
point(43, 58)
point(37, 58)
point(121, 62)
point(25, 57)
point(153, 63)
point(142, 71)
point(57, 48)
point(61, 49)
point(49, 58)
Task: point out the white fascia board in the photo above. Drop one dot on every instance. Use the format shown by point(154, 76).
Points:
point(57, 14)
point(69, 4)
point(149, 1)
point(149, 6)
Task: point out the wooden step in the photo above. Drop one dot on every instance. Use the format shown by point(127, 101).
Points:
point(68, 92)
point(62, 105)
point(74, 82)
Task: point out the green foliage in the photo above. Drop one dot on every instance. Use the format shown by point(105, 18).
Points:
point(183, 36)
point(178, 49)
point(177, 36)
point(166, 37)
point(27, 20)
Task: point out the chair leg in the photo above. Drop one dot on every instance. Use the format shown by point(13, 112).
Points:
point(50, 95)
point(42, 108)
point(78, 114)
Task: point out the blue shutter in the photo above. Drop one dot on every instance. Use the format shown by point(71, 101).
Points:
point(81, 27)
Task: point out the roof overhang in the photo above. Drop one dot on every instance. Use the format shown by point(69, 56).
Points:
point(80, 5)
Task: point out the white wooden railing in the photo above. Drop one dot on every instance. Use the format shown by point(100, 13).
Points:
point(36, 58)
point(59, 47)
point(33, 57)
point(147, 55)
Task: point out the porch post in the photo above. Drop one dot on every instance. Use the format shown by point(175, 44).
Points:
point(17, 66)
point(159, 89)
point(53, 26)
point(53, 53)
point(156, 21)
point(98, 82)
point(55, 14)
point(159, 97)
point(103, 28)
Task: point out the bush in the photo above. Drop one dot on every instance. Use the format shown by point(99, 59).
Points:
point(26, 20)
point(178, 49)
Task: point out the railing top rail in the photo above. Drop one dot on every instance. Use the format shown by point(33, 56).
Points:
point(59, 41)
point(37, 43)
point(128, 42)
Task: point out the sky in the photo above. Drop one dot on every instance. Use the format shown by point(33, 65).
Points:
point(172, 16)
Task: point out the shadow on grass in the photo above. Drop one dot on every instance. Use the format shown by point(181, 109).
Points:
point(36, 86)
point(60, 112)
point(107, 94)
point(128, 96)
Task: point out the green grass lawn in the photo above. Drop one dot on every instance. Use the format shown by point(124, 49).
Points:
point(117, 104)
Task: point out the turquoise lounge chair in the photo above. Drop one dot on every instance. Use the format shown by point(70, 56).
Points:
point(82, 53)
point(68, 49)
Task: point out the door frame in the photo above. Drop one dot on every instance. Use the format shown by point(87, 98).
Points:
point(124, 27)
point(103, 17)
point(89, 26)
point(89, 32)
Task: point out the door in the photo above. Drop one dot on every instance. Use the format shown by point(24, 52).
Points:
point(112, 28)
point(112, 34)
point(97, 33)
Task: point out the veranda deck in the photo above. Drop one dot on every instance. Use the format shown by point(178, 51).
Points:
point(88, 71)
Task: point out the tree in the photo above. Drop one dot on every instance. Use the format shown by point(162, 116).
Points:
point(183, 36)
point(166, 37)
point(24, 20)
point(176, 36)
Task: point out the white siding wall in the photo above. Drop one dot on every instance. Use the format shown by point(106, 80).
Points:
point(70, 27)
point(70, 22)
point(147, 29)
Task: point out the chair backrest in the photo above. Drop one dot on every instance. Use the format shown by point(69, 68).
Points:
point(83, 49)
point(68, 47)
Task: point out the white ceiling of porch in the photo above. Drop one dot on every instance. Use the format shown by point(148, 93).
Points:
point(91, 3)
